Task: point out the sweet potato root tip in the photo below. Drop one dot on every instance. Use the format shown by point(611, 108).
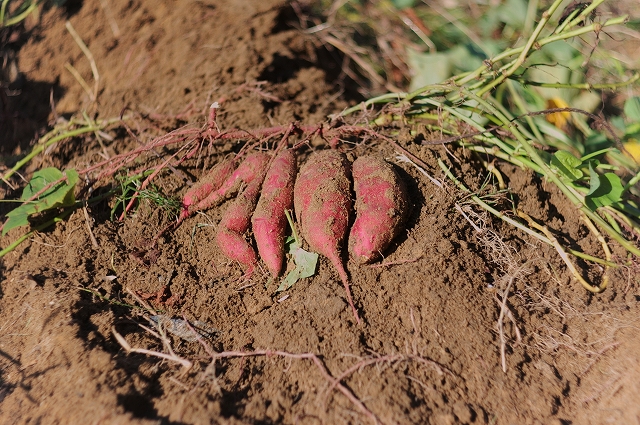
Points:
point(322, 198)
point(269, 221)
point(382, 207)
point(342, 272)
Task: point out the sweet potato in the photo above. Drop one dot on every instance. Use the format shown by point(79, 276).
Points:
point(269, 222)
point(252, 166)
point(208, 183)
point(322, 198)
point(235, 222)
point(382, 206)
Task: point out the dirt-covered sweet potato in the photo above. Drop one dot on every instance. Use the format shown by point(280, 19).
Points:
point(269, 222)
point(322, 199)
point(237, 218)
point(382, 208)
point(208, 183)
point(253, 165)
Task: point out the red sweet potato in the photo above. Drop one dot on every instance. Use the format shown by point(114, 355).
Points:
point(322, 198)
point(382, 206)
point(210, 182)
point(235, 222)
point(252, 166)
point(235, 247)
point(269, 221)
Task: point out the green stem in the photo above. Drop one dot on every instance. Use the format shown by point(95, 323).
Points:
point(530, 17)
point(519, 161)
point(294, 233)
point(595, 27)
point(525, 51)
point(581, 17)
point(578, 86)
point(64, 214)
point(533, 153)
point(616, 216)
point(398, 97)
point(110, 301)
point(634, 180)
point(41, 147)
point(568, 19)
point(42, 226)
point(518, 225)
point(454, 112)
point(15, 19)
point(520, 103)
point(505, 71)
point(542, 42)
point(3, 10)
point(385, 98)
point(485, 72)
point(49, 139)
point(488, 207)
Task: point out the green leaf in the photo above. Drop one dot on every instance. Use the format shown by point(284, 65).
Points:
point(58, 195)
point(427, 68)
point(567, 165)
point(632, 130)
point(618, 123)
point(596, 142)
point(403, 4)
point(632, 108)
point(606, 189)
point(513, 12)
point(305, 264)
point(467, 57)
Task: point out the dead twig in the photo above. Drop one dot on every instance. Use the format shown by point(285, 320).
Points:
point(503, 341)
point(115, 29)
point(87, 220)
point(308, 356)
point(172, 357)
point(89, 55)
point(511, 317)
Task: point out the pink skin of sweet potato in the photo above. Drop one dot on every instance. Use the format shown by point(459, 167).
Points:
point(210, 182)
point(269, 221)
point(236, 221)
point(322, 199)
point(253, 165)
point(382, 206)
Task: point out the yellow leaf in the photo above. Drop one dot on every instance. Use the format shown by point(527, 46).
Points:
point(632, 150)
point(559, 119)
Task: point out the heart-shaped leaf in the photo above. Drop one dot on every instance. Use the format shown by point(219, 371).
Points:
point(305, 264)
point(55, 195)
point(567, 165)
point(606, 189)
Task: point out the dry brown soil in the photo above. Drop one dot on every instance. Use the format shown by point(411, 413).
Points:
point(429, 347)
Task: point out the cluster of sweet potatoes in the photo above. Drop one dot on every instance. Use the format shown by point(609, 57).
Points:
point(321, 193)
